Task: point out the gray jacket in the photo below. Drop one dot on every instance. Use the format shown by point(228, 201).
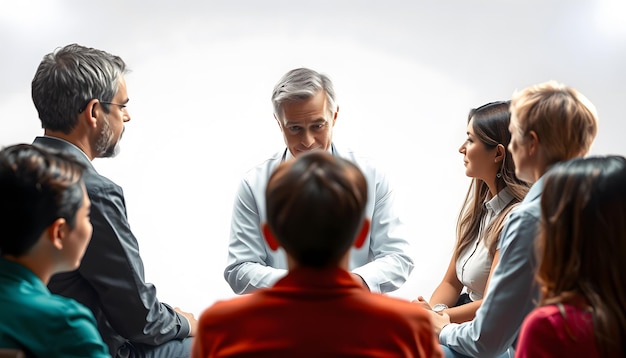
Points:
point(110, 280)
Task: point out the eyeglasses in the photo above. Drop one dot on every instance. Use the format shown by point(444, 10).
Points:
point(122, 106)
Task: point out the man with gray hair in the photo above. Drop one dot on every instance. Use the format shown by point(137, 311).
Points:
point(306, 110)
point(80, 94)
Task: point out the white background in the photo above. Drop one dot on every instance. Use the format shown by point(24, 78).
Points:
point(406, 74)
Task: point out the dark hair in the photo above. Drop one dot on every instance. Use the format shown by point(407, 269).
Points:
point(315, 207)
point(37, 186)
point(491, 127)
point(581, 249)
point(68, 78)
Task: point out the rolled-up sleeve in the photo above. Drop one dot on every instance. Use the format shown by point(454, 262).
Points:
point(390, 265)
point(250, 266)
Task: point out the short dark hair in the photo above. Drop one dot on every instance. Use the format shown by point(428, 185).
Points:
point(315, 207)
point(37, 186)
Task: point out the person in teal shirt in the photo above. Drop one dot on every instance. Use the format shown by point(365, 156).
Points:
point(44, 213)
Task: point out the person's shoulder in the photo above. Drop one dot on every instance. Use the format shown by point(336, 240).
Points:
point(64, 306)
point(521, 227)
point(543, 312)
point(264, 168)
point(526, 210)
point(93, 179)
point(96, 183)
point(557, 312)
point(356, 156)
point(542, 318)
point(226, 309)
point(72, 319)
point(366, 162)
point(56, 310)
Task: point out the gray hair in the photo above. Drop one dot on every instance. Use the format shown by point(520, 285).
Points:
point(68, 78)
point(300, 84)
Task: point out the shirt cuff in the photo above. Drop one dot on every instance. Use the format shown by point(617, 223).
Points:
point(363, 272)
point(445, 331)
point(188, 325)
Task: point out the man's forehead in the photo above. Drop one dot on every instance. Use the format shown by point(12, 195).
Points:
point(306, 121)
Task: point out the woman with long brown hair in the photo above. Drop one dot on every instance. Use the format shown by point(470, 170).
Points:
point(550, 123)
point(493, 192)
point(581, 252)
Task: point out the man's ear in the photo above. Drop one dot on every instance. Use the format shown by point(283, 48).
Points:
point(278, 122)
point(269, 237)
point(90, 113)
point(56, 232)
point(500, 153)
point(360, 239)
point(335, 116)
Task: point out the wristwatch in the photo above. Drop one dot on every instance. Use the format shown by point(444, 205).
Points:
point(439, 307)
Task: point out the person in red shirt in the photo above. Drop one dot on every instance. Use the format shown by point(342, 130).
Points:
point(581, 252)
point(315, 212)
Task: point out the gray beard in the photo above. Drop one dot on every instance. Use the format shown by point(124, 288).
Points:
point(105, 148)
point(112, 151)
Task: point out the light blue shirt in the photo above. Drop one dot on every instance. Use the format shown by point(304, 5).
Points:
point(382, 261)
point(512, 291)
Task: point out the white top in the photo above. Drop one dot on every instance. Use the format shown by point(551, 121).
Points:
point(383, 261)
point(512, 291)
point(474, 263)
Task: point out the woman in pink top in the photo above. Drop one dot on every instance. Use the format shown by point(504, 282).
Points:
point(581, 253)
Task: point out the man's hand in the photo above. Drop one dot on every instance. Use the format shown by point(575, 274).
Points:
point(193, 323)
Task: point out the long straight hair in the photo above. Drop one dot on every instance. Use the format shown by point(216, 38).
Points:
point(491, 127)
point(581, 249)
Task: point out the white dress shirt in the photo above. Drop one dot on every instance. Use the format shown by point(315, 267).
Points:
point(382, 261)
point(474, 263)
point(512, 291)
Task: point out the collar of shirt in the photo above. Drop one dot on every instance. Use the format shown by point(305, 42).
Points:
point(496, 204)
point(13, 271)
point(308, 279)
point(70, 143)
point(289, 156)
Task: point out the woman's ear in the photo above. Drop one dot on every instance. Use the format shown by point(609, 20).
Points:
point(56, 232)
point(500, 153)
point(365, 229)
point(269, 237)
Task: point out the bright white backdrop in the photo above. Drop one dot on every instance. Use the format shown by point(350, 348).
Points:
point(406, 74)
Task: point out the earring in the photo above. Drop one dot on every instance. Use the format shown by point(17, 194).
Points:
point(499, 175)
